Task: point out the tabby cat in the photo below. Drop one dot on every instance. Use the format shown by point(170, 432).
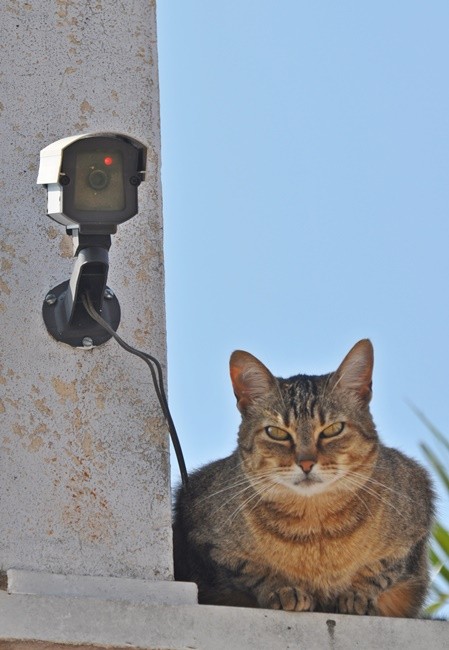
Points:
point(311, 512)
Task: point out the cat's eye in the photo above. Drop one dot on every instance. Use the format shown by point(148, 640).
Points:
point(332, 430)
point(275, 433)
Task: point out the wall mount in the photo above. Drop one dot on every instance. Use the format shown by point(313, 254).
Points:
point(63, 311)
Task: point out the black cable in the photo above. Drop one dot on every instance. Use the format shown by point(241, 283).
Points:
point(158, 381)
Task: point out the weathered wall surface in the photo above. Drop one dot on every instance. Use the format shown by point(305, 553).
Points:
point(205, 627)
point(84, 477)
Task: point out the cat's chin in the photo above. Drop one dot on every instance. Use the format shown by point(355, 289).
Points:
point(307, 486)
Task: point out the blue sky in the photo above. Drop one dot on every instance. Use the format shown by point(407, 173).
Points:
point(305, 152)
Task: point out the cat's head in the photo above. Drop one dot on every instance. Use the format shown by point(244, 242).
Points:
point(307, 433)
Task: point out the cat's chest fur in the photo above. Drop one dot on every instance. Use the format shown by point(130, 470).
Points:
point(324, 549)
point(322, 541)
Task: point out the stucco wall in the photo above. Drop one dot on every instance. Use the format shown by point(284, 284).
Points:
point(84, 476)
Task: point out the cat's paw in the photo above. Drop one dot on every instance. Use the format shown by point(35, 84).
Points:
point(354, 602)
point(290, 599)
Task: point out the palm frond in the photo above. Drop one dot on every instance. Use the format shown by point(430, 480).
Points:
point(439, 549)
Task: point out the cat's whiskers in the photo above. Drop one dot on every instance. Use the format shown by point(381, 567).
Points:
point(374, 481)
point(370, 479)
point(254, 484)
point(362, 486)
point(358, 496)
point(258, 494)
point(243, 481)
point(363, 482)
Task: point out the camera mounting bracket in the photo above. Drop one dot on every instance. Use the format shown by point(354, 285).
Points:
point(63, 311)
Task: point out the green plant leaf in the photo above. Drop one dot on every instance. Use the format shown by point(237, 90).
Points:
point(441, 570)
point(432, 428)
point(434, 607)
point(436, 464)
point(441, 536)
point(439, 550)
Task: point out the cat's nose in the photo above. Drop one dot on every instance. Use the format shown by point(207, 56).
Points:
point(306, 464)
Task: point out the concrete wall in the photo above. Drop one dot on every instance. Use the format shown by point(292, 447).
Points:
point(208, 628)
point(84, 476)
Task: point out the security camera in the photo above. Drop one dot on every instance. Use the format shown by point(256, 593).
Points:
point(92, 180)
point(91, 183)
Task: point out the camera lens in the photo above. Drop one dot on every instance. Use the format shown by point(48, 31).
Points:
point(98, 179)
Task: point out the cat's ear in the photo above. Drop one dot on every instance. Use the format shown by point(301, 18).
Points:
point(251, 380)
point(356, 370)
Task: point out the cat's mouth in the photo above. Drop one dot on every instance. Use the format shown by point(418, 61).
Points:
point(305, 484)
point(306, 480)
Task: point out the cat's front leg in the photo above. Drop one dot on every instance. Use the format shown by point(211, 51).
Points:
point(288, 598)
point(291, 599)
point(271, 591)
point(370, 588)
point(357, 602)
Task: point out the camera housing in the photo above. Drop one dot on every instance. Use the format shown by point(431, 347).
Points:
point(92, 180)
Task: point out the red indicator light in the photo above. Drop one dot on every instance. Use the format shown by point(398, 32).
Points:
point(108, 160)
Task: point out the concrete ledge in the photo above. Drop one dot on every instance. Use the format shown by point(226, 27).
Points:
point(106, 622)
point(149, 592)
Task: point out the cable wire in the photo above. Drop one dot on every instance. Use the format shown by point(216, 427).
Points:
point(158, 381)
